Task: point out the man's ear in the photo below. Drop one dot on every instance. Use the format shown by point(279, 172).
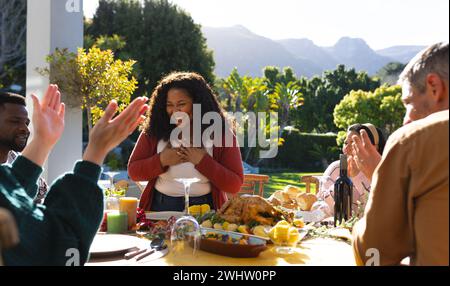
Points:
point(436, 88)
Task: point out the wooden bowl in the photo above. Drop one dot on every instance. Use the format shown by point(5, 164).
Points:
point(255, 246)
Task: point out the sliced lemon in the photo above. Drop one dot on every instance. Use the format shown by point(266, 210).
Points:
point(207, 223)
point(225, 225)
point(282, 222)
point(205, 208)
point(242, 229)
point(260, 231)
point(232, 227)
point(294, 236)
point(298, 222)
point(194, 210)
point(282, 232)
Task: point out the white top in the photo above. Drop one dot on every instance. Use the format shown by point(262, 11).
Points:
point(360, 185)
point(167, 185)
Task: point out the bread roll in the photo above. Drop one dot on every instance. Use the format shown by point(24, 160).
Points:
point(278, 195)
point(274, 201)
point(292, 204)
point(305, 201)
point(292, 191)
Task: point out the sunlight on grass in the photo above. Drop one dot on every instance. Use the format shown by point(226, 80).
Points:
point(278, 181)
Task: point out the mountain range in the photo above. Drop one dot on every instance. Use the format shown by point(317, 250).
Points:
point(238, 47)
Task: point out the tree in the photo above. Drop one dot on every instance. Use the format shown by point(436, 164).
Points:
point(247, 94)
point(321, 94)
point(389, 73)
point(115, 43)
point(13, 42)
point(159, 35)
point(272, 76)
point(92, 79)
point(285, 98)
point(383, 108)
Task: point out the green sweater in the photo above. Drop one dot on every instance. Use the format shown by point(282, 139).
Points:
point(67, 221)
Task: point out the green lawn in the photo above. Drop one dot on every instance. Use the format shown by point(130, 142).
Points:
point(278, 181)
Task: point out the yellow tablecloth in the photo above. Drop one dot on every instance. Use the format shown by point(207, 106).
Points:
point(318, 251)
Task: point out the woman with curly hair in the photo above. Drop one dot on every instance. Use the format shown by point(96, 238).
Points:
point(159, 158)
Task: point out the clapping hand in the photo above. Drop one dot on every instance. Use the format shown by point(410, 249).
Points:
point(352, 167)
point(365, 155)
point(48, 125)
point(109, 132)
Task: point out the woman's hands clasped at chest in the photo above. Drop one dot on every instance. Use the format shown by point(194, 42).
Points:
point(193, 155)
point(173, 156)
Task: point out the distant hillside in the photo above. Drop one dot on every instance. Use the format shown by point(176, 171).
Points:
point(401, 53)
point(250, 53)
point(238, 47)
point(356, 53)
point(306, 49)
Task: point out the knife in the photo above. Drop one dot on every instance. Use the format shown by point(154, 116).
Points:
point(132, 254)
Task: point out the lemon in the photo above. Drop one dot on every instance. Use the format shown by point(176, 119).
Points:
point(242, 229)
point(272, 233)
point(282, 222)
point(260, 231)
point(298, 222)
point(282, 232)
point(207, 223)
point(194, 210)
point(293, 236)
point(225, 225)
point(218, 226)
point(205, 208)
point(232, 227)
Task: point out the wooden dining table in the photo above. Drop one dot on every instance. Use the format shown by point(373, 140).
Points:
point(316, 251)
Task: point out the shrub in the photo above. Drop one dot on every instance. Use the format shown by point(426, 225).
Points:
point(305, 152)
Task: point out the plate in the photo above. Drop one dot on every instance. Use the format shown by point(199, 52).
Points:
point(163, 215)
point(253, 249)
point(105, 245)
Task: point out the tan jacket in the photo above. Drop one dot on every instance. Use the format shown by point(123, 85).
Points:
point(407, 212)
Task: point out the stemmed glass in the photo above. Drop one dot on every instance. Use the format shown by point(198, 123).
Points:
point(111, 175)
point(186, 229)
point(111, 200)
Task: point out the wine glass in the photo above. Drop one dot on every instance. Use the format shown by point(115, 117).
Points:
point(186, 230)
point(326, 184)
point(111, 175)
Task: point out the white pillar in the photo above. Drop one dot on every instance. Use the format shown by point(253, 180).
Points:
point(55, 24)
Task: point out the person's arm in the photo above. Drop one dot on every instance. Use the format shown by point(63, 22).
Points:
point(27, 174)
point(42, 191)
point(143, 165)
point(75, 203)
point(70, 217)
point(227, 174)
point(68, 220)
point(329, 176)
point(9, 235)
point(385, 227)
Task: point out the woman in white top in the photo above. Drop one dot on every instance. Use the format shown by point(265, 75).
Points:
point(361, 184)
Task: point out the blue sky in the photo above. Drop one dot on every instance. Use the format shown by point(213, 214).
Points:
point(382, 23)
